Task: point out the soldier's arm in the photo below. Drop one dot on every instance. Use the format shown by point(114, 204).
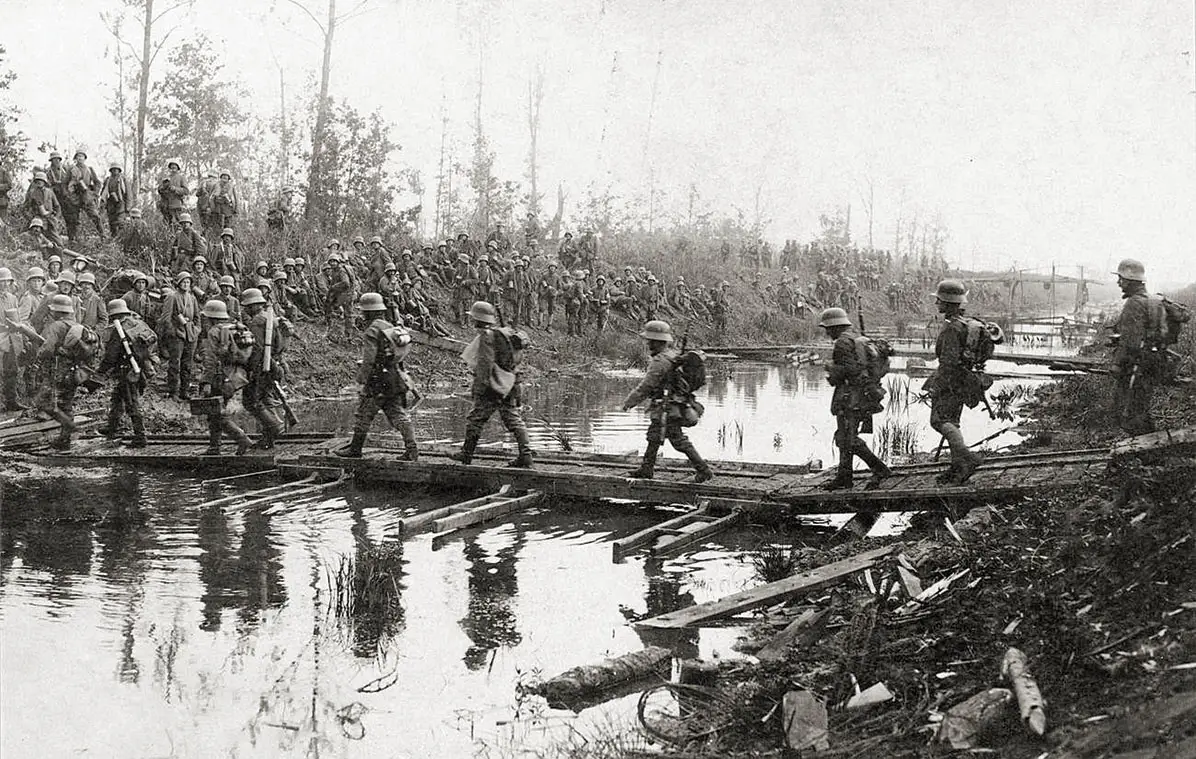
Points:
point(951, 348)
point(369, 354)
point(654, 378)
point(211, 363)
point(49, 343)
point(844, 364)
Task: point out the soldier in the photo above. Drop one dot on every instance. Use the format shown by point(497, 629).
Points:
point(852, 403)
point(115, 195)
point(465, 283)
point(494, 357)
point(61, 355)
point(278, 216)
point(203, 201)
point(385, 384)
point(499, 240)
point(573, 294)
point(185, 244)
point(549, 286)
point(650, 296)
point(58, 179)
point(225, 202)
point(12, 342)
point(91, 309)
point(204, 283)
point(228, 296)
point(1135, 360)
point(226, 354)
point(42, 204)
point(83, 187)
point(379, 257)
point(129, 357)
point(5, 187)
point(567, 253)
point(952, 384)
point(524, 289)
point(178, 332)
point(228, 258)
point(172, 189)
point(719, 306)
point(659, 385)
point(135, 238)
point(261, 395)
point(138, 298)
point(531, 230)
point(600, 303)
point(485, 287)
point(282, 296)
point(340, 295)
point(587, 250)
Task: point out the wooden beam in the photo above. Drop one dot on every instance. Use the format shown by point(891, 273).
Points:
point(773, 592)
point(809, 621)
point(623, 546)
point(486, 513)
point(671, 544)
point(415, 522)
point(1154, 441)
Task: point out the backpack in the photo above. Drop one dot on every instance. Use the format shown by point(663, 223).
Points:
point(1172, 317)
point(689, 372)
point(81, 344)
point(979, 343)
point(874, 354)
point(235, 344)
point(388, 376)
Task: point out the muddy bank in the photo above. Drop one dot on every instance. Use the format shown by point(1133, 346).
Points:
point(1095, 586)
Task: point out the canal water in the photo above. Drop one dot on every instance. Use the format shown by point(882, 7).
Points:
point(185, 630)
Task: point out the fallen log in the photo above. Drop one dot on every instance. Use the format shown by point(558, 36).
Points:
point(584, 682)
point(1016, 670)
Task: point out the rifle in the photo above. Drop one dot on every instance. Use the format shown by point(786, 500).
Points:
point(134, 366)
point(292, 420)
point(10, 325)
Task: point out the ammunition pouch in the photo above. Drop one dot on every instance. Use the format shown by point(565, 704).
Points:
point(684, 412)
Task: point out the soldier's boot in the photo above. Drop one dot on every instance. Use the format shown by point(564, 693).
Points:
point(112, 427)
point(271, 429)
point(64, 420)
point(966, 467)
point(880, 470)
point(701, 468)
point(959, 456)
point(843, 475)
point(647, 467)
point(138, 440)
point(10, 394)
point(244, 443)
point(410, 447)
point(524, 459)
point(213, 438)
point(352, 449)
point(465, 455)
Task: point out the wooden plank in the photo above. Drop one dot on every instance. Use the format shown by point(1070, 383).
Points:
point(809, 621)
point(34, 426)
point(671, 545)
point(773, 592)
point(486, 513)
point(1154, 441)
point(622, 546)
point(418, 521)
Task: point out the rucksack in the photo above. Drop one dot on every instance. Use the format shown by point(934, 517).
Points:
point(689, 371)
point(1171, 320)
point(874, 354)
point(979, 343)
point(81, 344)
point(235, 344)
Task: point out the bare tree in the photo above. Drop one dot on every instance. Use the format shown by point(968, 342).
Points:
point(535, 99)
point(869, 200)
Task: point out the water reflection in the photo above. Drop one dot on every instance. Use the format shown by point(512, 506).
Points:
point(666, 592)
point(247, 580)
point(490, 621)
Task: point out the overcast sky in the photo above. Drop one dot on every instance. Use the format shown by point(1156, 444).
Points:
point(1041, 131)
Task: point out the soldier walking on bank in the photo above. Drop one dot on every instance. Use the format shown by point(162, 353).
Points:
point(657, 385)
point(385, 384)
point(494, 357)
point(129, 358)
point(848, 374)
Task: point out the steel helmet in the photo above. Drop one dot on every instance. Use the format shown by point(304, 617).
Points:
point(40, 175)
point(227, 281)
point(657, 329)
point(86, 278)
point(67, 276)
point(371, 302)
point(834, 317)
point(252, 297)
point(80, 153)
point(182, 275)
point(38, 223)
point(139, 275)
point(406, 253)
point(174, 164)
point(55, 259)
point(481, 311)
point(300, 261)
point(483, 259)
point(62, 304)
point(5, 274)
point(184, 218)
point(225, 173)
point(1131, 269)
point(600, 278)
point(376, 239)
point(199, 260)
point(579, 274)
point(117, 307)
point(334, 243)
point(390, 266)
point(55, 154)
point(279, 274)
point(215, 309)
point(227, 232)
point(135, 213)
point(116, 167)
point(35, 273)
point(463, 258)
point(359, 239)
point(261, 265)
point(492, 244)
point(951, 291)
point(264, 285)
point(288, 262)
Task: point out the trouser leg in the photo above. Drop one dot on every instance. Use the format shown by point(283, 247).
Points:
point(186, 358)
point(400, 419)
point(682, 444)
point(512, 419)
point(133, 404)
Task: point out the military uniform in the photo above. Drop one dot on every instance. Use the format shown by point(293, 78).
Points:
point(260, 396)
point(224, 374)
point(83, 187)
point(340, 295)
point(12, 343)
point(129, 384)
point(114, 194)
point(186, 244)
point(657, 386)
point(953, 384)
point(573, 294)
point(848, 374)
point(1136, 362)
point(57, 380)
point(178, 333)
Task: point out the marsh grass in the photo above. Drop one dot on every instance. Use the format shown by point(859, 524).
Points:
point(897, 437)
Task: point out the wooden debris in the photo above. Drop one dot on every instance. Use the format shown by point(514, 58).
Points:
point(1154, 441)
point(1016, 670)
point(486, 512)
point(909, 582)
point(804, 630)
point(774, 592)
point(695, 672)
point(583, 682)
point(931, 593)
point(873, 694)
point(964, 723)
point(805, 721)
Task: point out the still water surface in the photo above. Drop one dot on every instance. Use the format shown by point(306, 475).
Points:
point(207, 631)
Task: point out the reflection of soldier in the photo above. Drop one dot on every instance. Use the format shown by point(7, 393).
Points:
point(490, 621)
point(249, 580)
point(663, 596)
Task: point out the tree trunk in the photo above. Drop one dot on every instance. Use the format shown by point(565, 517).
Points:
point(535, 96)
point(142, 98)
point(314, 176)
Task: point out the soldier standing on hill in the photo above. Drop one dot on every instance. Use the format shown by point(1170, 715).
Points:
point(385, 385)
point(494, 356)
point(12, 342)
point(1135, 361)
point(135, 237)
point(41, 203)
point(178, 331)
point(128, 358)
point(186, 244)
point(952, 385)
point(549, 286)
point(115, 195)
point(340, 295)
point(657, 385)
point(172, 190)
point(848, 374)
